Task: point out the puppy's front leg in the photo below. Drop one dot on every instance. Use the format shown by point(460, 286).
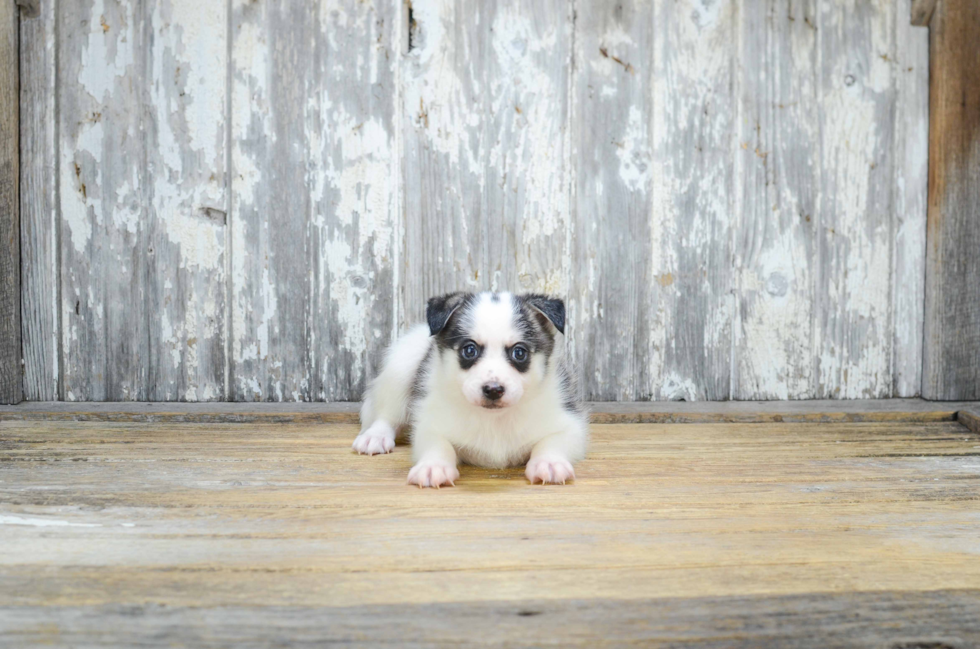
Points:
point(551, 458)
point(435, 462)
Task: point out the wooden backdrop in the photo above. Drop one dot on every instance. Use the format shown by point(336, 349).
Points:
point(247, 199)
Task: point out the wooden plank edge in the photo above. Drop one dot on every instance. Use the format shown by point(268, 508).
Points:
point(893, 410)
point(11, 372)
point(922, 11)
point(970, 419)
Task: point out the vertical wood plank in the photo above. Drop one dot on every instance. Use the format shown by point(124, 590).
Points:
point(352, 122)
point(911, 142)
point(486, 149)
point(271, 279)
point(776, 159)
point(185, 233)
point(853, 334)
point(102, 192)
point(11, 377)
point(444, 104)
point(38, 206)
point(694, 107)
point(528, 73)
point(615, 312)
point(951, 364)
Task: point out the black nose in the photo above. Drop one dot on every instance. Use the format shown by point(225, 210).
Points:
point(493, 391)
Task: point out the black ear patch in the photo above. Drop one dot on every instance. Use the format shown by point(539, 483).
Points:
point(440, 309)
point(551, 308)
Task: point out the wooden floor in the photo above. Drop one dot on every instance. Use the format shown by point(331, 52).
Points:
point(275, 534)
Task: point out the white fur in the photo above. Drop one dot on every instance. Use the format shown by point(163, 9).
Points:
point(450, 423)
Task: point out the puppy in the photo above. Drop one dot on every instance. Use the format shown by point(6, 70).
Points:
point(483, 384)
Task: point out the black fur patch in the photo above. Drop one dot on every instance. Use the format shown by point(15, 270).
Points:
point(534, 323)
point(551, 308)
point(418, 382)
point(440, 310)
point(449, 313)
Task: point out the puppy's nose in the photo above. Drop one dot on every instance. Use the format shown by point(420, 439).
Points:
point(493, 391)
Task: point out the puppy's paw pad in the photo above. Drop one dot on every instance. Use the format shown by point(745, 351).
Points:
point(433, 474)
point(375, 440)
point(549, 469)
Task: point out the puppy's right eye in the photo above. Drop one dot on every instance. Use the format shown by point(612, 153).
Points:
point(469, 351)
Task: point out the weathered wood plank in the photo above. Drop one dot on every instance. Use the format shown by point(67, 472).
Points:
point(613, 314)
point(273, 47)
point(744, 532)
point(920, 12)
point(911, 150)
point(527, 171)
point(937, 619)
point(185, 76)
point(853, 335)
point(103, 186)
point(777, 156)
point(951, 364)
point(445, 225)
point(40, 258)
point(694, 106)
point(898, 410)
point(11, 373)
point(485, 149)
point(970, 418)
point(352, 118)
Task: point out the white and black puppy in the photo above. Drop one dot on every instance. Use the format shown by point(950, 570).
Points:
point(483, 383)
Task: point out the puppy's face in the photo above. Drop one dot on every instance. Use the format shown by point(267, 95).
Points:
point(496, 346)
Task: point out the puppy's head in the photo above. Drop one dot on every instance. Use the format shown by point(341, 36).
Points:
point(495, 345)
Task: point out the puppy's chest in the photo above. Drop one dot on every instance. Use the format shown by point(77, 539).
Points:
point(496, 444)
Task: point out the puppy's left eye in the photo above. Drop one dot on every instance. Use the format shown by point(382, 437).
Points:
point(519, 353)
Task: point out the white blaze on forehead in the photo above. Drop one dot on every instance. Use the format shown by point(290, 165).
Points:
point(493, 321)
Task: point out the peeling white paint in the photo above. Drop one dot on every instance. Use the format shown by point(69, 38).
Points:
point(809, 306)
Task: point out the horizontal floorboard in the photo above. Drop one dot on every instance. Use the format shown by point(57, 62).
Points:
point(844, 534)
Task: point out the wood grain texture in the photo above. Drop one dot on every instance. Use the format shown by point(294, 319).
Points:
point(853, 337)
point(11, 373)
point(353, 119)
point(314, 197)
point(931, 619)
point(970, 418)
point(613, 314)
point(270, 220)
point(951, 350)
point(778, 158)
point(252, 204)
point(103, 187)
point(694, 109)
point(40, 258)
point(920, 13)
point(184, 72)
point(711, 525)
point(485, 148)
point(911, 191)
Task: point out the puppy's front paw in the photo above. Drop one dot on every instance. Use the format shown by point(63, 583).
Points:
point(549, 468)
point(433, 473)
point(379, 438)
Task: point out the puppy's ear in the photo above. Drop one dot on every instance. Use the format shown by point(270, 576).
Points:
point(551, 308)
point(440, 309)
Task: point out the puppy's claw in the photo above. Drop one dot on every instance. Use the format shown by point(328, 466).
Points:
point(549, 469)
point(429, 473)
point(376, 440)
